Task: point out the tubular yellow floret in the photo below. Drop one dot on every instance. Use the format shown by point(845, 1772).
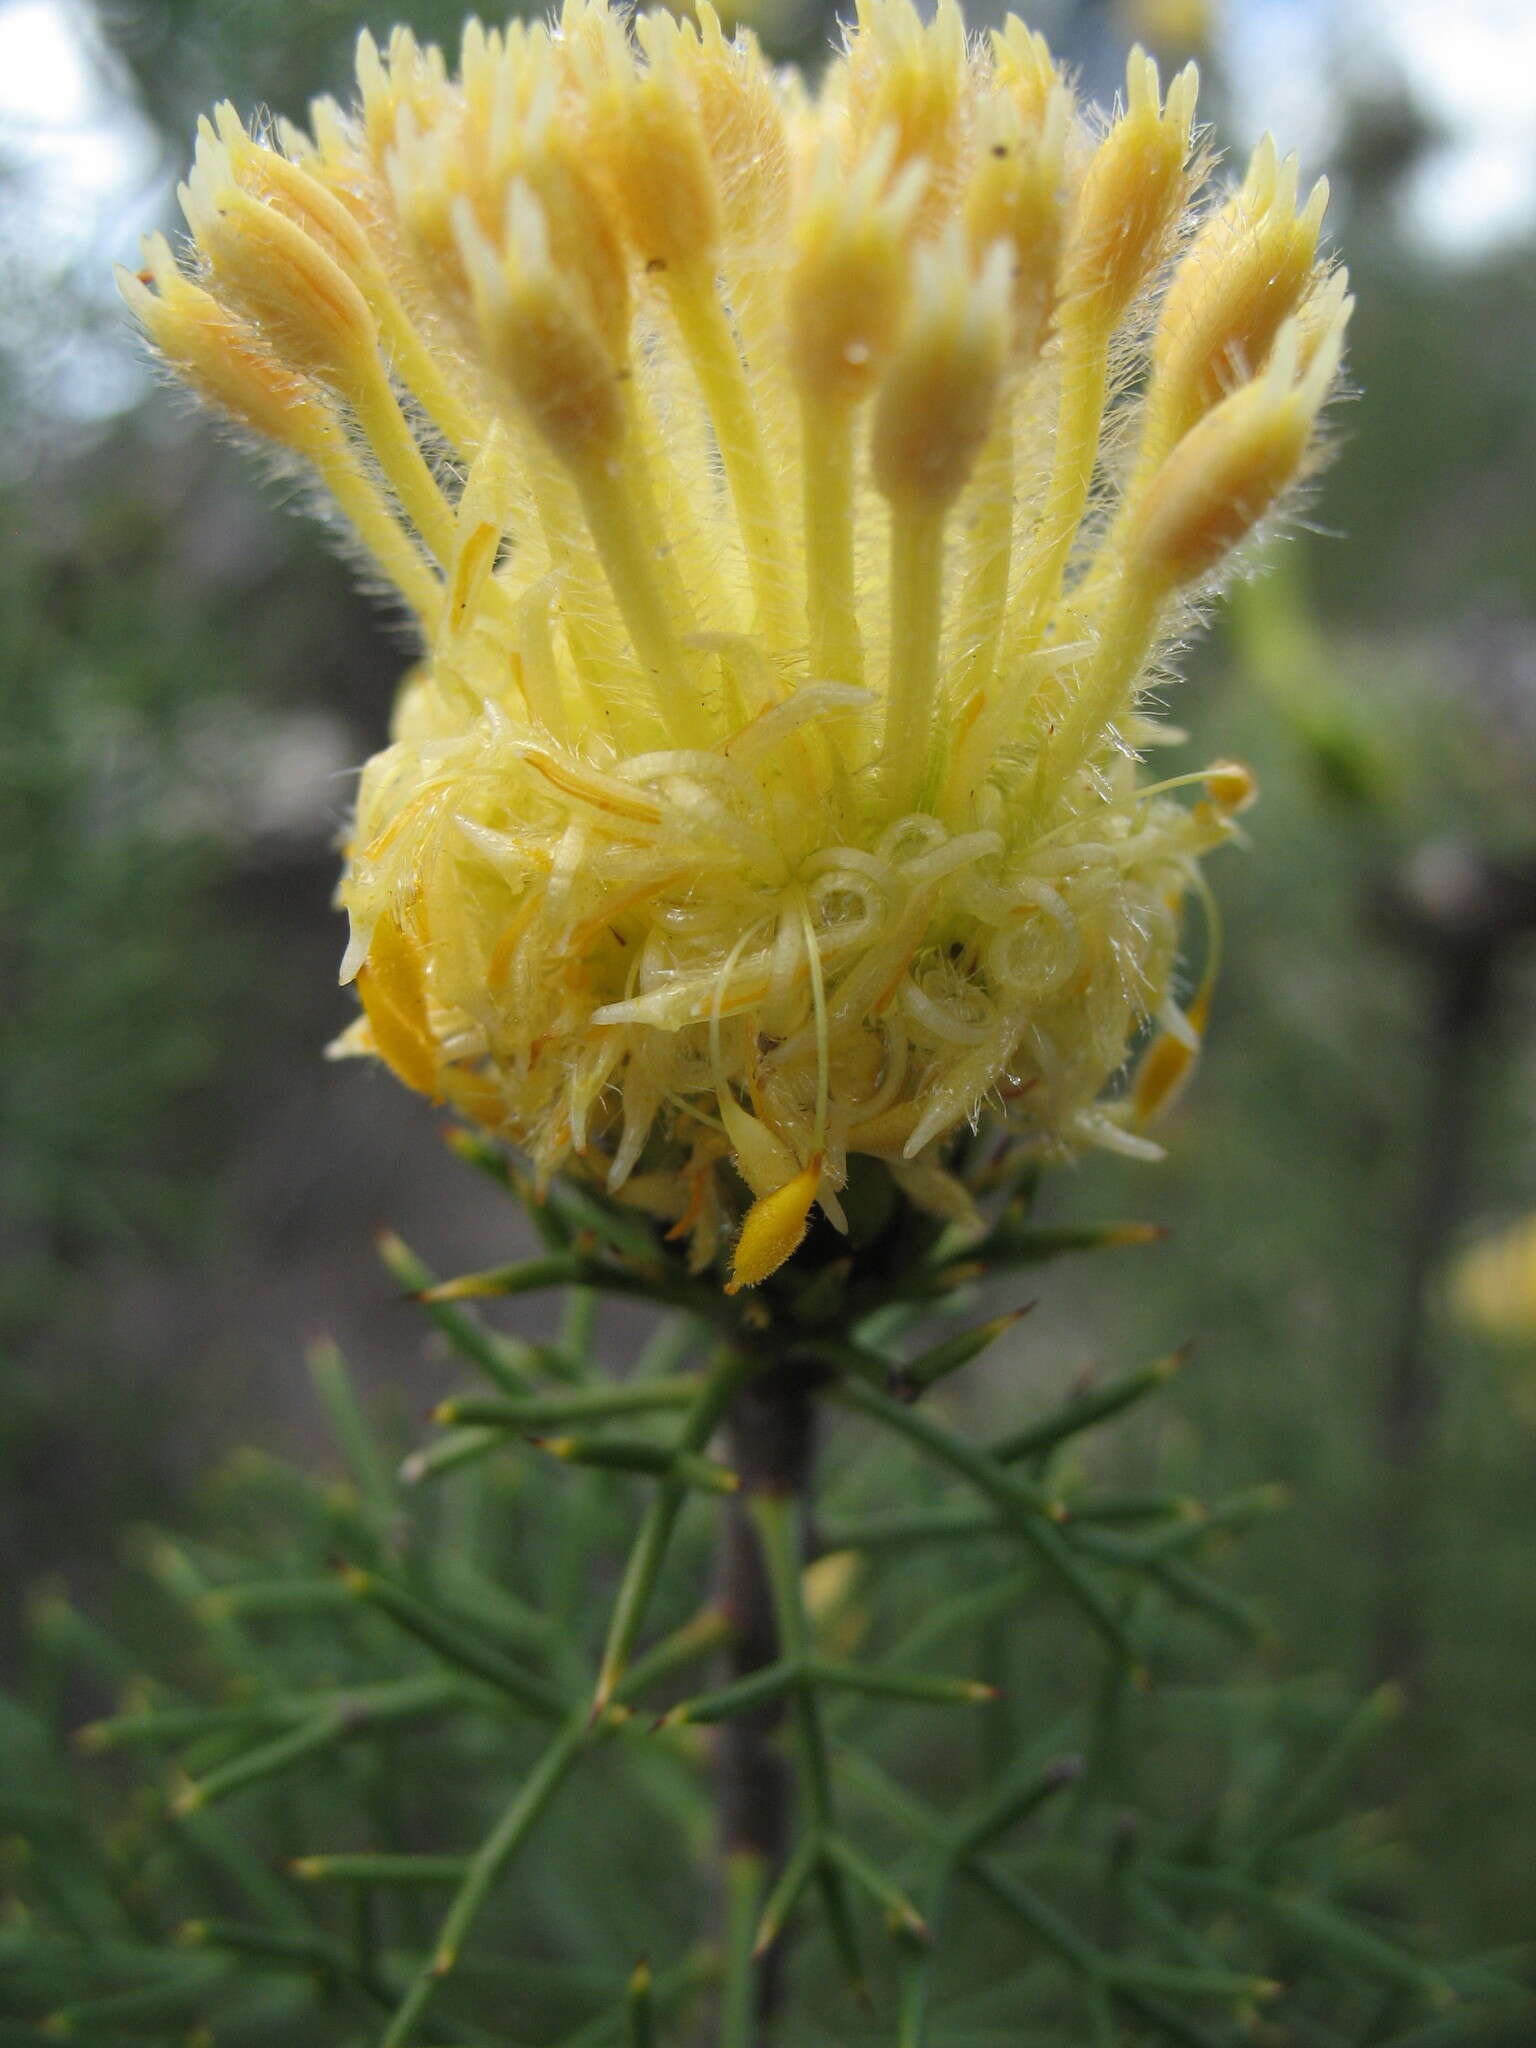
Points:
point(534, 334)
point(935, 401)
point(1230, 469)
point(1244, 276)
point(849, 275)
point(765, 794)
point(1017, 196)
point(1026, 70)
point(931, 418)
point(1134, 192)
point(645, 130)
point(221, 356)
point(286, 284)
point(910, 81)
point(741, 115)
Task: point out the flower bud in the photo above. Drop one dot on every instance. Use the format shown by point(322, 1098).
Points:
point(909, 79)
point(535, 334)
point(644, 132)
point(1245, 274)
point(514, 129)
point(220, 355)
point(742, 119)
point(272, 271)
point(406, 84)
point(849, 275)
point(1015, 196)
point(1231, 468)
point(1025, 69)
point(1134, 190)
point(935, 402)
point(291, 189)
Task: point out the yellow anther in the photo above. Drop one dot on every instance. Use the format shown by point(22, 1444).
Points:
point(394, 1002)
point(773, 1228)
point(1232, 787)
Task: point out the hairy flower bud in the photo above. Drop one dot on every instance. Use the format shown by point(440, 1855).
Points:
point(271, 270)
point(1231, 468)
point(1244, 276)
point(849, 276)
point(935, 401)
point(1133, 194)
point(535, 334)
point(644, 130)
point(219, 355)
point(1017, 196)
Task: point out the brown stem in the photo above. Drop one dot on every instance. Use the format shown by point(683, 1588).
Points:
point(770, 1436)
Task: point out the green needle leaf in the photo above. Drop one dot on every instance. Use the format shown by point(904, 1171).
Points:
point(1089, 1408)
point(512, 1366)
point(461, 1648)
point(574, 1405)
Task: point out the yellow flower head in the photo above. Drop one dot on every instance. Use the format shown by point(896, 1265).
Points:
point(798, 497)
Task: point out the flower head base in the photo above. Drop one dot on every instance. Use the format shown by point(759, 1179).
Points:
point(789, 580)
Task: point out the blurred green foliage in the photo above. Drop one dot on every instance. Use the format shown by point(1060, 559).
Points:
point(1384, 688)
point(380, 1803)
